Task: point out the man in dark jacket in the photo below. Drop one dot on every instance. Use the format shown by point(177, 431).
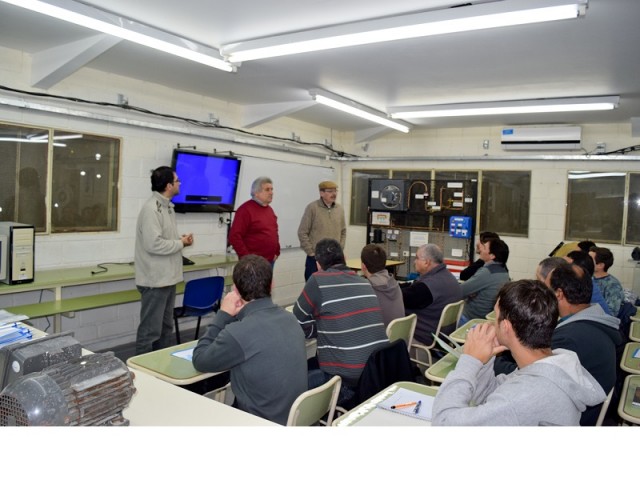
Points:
point(433, 290)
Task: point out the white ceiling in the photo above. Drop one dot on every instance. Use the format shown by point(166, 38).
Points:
point(598, 54)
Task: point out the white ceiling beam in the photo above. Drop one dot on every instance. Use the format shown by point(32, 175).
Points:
point(57, 63)
point(368, 134)
point(254, 115)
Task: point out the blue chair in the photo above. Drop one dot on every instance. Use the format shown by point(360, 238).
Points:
point(201, 296)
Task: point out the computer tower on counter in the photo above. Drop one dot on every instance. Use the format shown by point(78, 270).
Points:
point(19, 251)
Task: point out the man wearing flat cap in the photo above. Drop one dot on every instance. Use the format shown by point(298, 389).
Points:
point(323, 218)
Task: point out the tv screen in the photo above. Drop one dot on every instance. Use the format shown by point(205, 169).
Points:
point(208, 182)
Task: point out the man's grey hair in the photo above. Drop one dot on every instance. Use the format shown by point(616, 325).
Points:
point(257, 184)
point(549, 264)
point(430, 251)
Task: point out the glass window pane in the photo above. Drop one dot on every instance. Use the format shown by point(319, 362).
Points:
point(595, 203)
point(504, 204)
point(23, 175)
point(85, 180)
point(360, 193)
point(411, 174)
point(450, 176)
point(633, 210)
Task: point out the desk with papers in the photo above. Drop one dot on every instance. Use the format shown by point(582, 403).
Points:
point(369, 413)
point(173, 364)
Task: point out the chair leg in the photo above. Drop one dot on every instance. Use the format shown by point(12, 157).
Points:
point(175, 321)
point(197, 328)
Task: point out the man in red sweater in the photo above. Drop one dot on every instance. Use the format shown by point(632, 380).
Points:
point(255, 225)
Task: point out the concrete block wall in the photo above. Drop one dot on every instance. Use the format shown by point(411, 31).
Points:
point(144, 149)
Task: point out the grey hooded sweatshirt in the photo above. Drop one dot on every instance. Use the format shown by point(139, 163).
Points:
point(389, 296)
point(551, 391)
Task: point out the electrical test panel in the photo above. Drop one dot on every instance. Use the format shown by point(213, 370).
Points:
point(404, 214)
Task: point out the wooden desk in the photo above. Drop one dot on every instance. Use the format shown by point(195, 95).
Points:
point(460, 335)
point(159, 403)
point(179, 371)
point(165, 366)
point(368, 415)
point(634, 332)
point(627, 411)
point(439, 370)
point(628, 363)
point(57, 280)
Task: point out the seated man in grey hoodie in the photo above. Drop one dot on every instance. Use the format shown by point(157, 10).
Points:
point(374, 259)
point(549, 387)
point(583, 328)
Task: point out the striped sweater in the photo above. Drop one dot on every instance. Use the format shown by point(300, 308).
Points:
point(341, 310)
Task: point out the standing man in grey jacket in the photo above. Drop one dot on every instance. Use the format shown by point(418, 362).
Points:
point(322, 218)
point(158, 261)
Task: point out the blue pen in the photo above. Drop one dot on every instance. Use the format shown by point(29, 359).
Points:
point(417, 409)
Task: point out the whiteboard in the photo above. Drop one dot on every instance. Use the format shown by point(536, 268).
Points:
point(294, 186)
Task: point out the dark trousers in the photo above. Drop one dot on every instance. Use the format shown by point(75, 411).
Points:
point(310, 267)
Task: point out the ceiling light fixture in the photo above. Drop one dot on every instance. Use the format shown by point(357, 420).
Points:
point(437, 22)
point(127, 29)
point(550, 105)
point(349, 106)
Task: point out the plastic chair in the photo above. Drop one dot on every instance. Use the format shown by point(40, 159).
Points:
point(223, 394)
point(387, 365)
point(449, 317)
point(201, 296)
point(403, 328)
point(311, 406)
point(603, 410)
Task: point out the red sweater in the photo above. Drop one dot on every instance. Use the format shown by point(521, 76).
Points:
point(255, 230)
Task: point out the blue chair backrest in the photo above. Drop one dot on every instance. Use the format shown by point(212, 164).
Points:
point(203, 293)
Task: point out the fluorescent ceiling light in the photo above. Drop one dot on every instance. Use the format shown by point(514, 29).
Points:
point(354, 108)
point(581, 175)
point(112, 24)
point(437, 22)
point(550, 105)
point(44, 138)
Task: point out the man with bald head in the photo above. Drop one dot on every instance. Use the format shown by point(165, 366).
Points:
point(430, 292)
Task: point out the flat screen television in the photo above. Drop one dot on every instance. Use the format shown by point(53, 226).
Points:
point(208, 182)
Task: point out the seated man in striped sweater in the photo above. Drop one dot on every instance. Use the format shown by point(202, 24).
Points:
point(340, 309)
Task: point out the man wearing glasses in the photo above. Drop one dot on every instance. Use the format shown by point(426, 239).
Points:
point(158, 261)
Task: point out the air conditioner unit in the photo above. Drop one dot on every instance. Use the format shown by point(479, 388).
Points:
point(541, 138)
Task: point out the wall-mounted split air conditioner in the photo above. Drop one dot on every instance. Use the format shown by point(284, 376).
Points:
point(541, 138)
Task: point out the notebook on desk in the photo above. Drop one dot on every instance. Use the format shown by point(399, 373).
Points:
point(410, 403)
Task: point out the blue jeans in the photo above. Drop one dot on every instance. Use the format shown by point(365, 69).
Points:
point(156, 318)
point(310, 267)
point(462, 320)
point(317, 377)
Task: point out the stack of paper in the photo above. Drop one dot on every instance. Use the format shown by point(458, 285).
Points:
point(14, 333)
